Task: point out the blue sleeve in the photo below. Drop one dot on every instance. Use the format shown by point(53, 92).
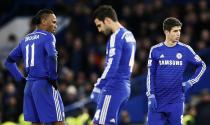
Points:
point(51, 56)
point(113, 59)
point(10, 63)
point(194, 59)
point(151, 73)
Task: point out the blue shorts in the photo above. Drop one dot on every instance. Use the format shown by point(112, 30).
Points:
point(170, 114)
point(42, 103)
point(110, 103)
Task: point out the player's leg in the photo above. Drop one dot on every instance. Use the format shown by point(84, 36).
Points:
point(175, 114)
point(29, 108)
point(109, 107)
point(156, 118)
point(48, 103)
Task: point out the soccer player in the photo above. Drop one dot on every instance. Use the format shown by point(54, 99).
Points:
point(42, 101)
point(165, 85)
point(112, 90)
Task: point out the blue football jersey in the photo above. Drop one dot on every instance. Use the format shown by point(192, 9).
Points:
point(39, 54)
point(166, 66)
point(120, 53)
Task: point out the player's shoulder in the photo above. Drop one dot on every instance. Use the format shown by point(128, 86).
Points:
point(127, 35)
point(40, 33)
point(185, 46)
point(124, 32)
point(157, 46)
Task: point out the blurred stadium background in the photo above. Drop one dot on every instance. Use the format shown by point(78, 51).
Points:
point(81, 53)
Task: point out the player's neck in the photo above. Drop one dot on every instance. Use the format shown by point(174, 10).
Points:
point(115, 26)
point(41, 28)
point(170, 43)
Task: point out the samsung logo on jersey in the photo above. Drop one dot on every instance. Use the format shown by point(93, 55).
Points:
point(31, 37)
point(170, 62)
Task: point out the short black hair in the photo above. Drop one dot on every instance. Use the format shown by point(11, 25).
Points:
point(41, 14)
point(170, 22)
point(104, 11)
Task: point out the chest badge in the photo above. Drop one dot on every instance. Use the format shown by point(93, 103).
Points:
point(178, 55)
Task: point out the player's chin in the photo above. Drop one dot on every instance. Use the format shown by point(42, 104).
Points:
point(53, 31)
point(177, 39)
point(105, 33)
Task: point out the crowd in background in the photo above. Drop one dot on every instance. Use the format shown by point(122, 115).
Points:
point(81, 49)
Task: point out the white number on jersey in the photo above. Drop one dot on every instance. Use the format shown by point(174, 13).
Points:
point(131, 62)
point(32, 54)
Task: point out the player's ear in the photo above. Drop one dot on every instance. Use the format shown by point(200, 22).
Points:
point(166, 32)
point(107, 20)
point(44, 21)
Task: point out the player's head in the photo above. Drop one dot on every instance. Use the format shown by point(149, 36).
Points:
point(172, 28)
point(46, 20)
point(103, 17)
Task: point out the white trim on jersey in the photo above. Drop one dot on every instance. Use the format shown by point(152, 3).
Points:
point(197, 78)
point(185, 45)
point(112, 40)
point(149, 72)
point(104, 109)
point(107, 68)
point(125, 33)
point(148, 83)
point(153, 47)
point(57, 105)
point(112, 45)
point(37, 32)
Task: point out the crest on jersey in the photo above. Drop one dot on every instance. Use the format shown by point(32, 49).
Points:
point(178, 55)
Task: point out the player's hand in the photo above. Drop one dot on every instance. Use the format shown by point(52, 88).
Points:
point(186, 86)
point(152, 103)
point(53, 83)
point(95, 95)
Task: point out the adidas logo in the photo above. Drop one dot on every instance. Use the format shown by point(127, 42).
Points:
point(161, 56)
point(112, 120)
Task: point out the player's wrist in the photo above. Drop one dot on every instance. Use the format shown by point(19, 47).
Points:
point(187, 83)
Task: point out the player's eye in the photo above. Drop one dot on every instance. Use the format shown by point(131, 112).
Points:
point(99, 25)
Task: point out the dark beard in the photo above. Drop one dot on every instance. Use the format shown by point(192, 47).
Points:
point(107, 32)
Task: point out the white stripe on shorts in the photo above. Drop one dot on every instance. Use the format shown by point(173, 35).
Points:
point(58, 111)
point(104, 109)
